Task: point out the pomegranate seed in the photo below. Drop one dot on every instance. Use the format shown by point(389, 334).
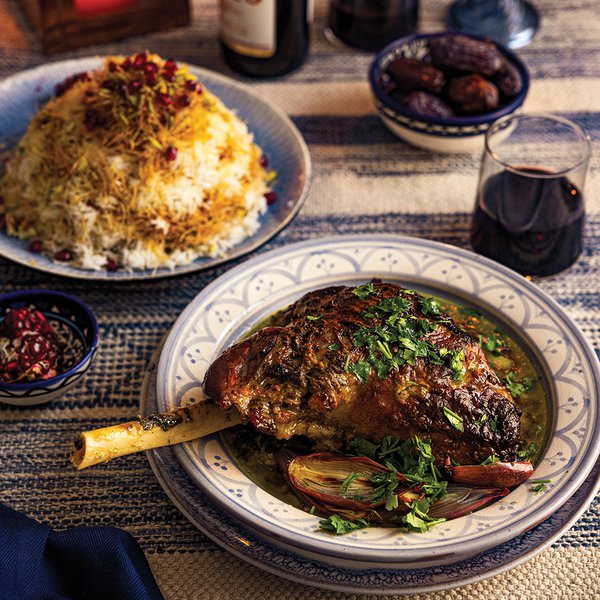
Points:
point(183, 100)
point(36, 246)
point(271, 198)
point(191, 85)
point(63, 255)
point(264, 161)
point(112, 67)
point(33, 350)
point(150, 68)
point(163, 98)
point(134, 85)
point(111, 266)
point(151, 80)
point(170, 65)
point(171, 153)
point(168, 76)
point(139, 61)
point(126, 64)
point(69, 82)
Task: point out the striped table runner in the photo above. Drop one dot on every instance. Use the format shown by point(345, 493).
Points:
point(364, 181)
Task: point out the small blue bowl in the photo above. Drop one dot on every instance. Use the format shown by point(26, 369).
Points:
point(456, 134)
point(75, 324)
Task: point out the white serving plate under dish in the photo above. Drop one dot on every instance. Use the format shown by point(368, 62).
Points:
point(243, 296)
point(21, 96)
point(262, 552)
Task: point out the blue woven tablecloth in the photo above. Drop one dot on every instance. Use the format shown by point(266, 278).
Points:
point(365, 180)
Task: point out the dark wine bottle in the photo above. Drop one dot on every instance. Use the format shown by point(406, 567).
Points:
point(265, 38)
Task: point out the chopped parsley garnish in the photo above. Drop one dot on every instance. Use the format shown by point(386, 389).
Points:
point(490, 460)
point(455, 420)
point(470, 312)
point(539, 485)
point(313, 317)
point(400, 339)
point(333, 346)
point(484, 417)
point(413, 458)
point(517, 388)
point(340, 526)
point(456, 361)
point(390, 308)
point(361, 369)
point(366, 290)
point(495, 423)
point(492, 343)
point(386, 484)
point(429, 306)
point(348, 482)
point(418, 519)
point(366, 448)
point(529, 452)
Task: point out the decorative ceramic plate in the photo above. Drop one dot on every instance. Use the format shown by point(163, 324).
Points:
point(242, 297)
point(267, 554)
point(22, 94)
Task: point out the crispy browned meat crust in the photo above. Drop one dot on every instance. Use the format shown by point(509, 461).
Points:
point(291, 378)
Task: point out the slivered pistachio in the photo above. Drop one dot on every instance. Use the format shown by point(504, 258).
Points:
point(155, 142)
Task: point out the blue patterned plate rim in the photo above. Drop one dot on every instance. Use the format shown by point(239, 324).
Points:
point(21, 95)
point(481, 534)
point(250, 546)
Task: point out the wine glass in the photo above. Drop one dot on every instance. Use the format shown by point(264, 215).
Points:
point(509, 22)
point(530, 209)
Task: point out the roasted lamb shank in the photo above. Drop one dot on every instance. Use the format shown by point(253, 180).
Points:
point(369, 361)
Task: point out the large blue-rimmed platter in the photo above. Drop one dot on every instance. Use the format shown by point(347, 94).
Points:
point(241, 298)
point(22, 94)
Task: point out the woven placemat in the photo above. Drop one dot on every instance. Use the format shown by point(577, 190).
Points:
point(365, 181)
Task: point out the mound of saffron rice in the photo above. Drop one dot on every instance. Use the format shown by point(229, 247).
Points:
point(135, 166)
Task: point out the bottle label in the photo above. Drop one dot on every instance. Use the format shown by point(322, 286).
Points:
point(248, 27)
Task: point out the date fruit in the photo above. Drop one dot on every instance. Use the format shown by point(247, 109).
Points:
point(473, 93)
point(460, 52)
point(412, 74)
point(428, 105)
point(509, 80)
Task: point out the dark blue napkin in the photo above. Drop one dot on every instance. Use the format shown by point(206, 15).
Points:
point(91, 563)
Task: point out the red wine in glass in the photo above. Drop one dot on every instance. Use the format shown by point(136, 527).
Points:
point(529, 221)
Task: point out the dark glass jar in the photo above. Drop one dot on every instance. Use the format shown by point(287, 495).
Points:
point(265, 38)
point(372, 24)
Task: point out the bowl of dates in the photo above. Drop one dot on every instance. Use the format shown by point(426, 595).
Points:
point(47, 342)
point(442, 91)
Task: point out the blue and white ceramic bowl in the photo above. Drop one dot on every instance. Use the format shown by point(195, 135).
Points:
point(243, 297)
point(76, 325)
point(457, 134)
